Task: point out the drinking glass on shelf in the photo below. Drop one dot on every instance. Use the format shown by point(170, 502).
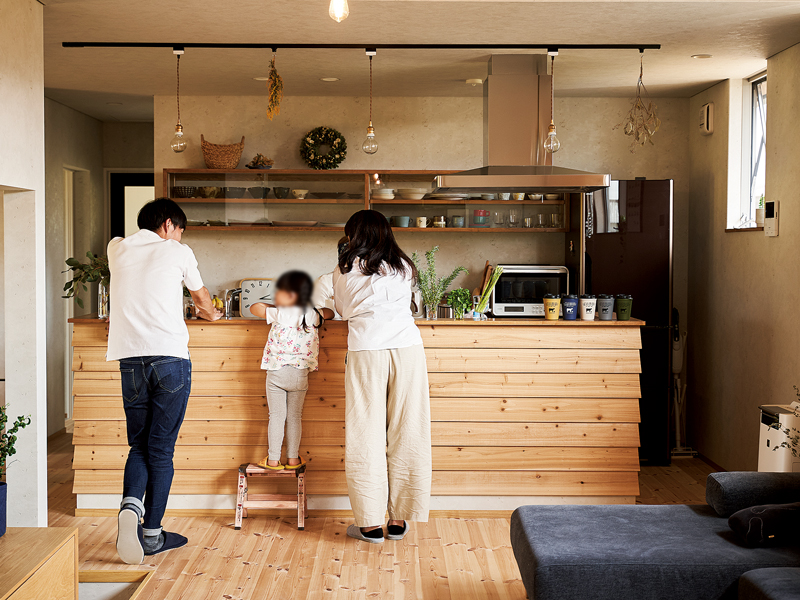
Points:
point(540, 221)
point(499, 218)
point(514, 217)
point(527, 222)
point(555, 220)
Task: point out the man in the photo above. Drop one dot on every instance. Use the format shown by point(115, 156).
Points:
point(148, 336)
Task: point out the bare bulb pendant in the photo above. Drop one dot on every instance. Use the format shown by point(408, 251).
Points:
point(551, 142)
point(178, 143)
point(338, 10)
point(370, 145)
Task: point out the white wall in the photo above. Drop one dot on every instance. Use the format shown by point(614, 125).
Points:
point(73, 141)
point(414, 133)
point(22, 179)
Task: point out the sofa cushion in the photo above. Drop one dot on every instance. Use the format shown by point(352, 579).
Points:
point(736, 490)
point(768, 524)
point(770, 584)
point(633, 552)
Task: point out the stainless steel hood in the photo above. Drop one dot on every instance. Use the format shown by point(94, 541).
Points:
point(516, 113)
point(522, 179)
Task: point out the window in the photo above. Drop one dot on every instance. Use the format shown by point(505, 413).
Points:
point(758, 138)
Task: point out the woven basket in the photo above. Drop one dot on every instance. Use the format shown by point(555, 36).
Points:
point(221, 156)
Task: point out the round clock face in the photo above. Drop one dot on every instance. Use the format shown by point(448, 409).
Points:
point(253, 292)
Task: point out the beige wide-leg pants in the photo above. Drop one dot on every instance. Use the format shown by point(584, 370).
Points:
point(388, 435)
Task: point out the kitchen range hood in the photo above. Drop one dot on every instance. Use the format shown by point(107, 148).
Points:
point(516, 114)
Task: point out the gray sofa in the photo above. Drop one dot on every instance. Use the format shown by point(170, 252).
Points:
point(652, 552)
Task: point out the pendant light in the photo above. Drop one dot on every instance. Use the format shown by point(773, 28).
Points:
point(370, 145)
point(551, 143)
point(178, 143)
point(338, 10)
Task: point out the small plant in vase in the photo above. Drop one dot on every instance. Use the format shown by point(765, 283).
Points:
point(461, 301)
point(8, 439)
point(431, 287)
point(792, 441)
point(760, 211)
point(95, 271)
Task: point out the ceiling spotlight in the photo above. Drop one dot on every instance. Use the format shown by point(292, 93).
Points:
point(474, 82)
point(261, 78)
point(329, 79)
point(702, 56)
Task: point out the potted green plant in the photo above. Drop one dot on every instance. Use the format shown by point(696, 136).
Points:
point(431, 287)
point(760, 211)
point(8, 439)
point(95, 271)
point(461, 301)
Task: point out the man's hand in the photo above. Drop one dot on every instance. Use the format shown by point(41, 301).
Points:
point(203, 305)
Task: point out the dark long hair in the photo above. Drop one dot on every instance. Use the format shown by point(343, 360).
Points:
point(300, 283)
point(373, 243)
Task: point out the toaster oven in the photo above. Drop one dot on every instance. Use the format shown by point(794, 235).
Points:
point(520, 289)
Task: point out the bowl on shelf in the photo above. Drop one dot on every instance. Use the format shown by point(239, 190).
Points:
point(382, 195)
point(518, 196)
point(235, 192)
point(536, 197)
point(209, 192)
point(184, 191)
point(281, 192)
point(552, 196)
point(488, 197)
point(324, 195)
point(299, 194)
point(258, 192)
point(294, 223)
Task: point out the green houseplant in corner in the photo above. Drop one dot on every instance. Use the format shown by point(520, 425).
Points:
point(8, 439)
point(95, 271)
point(431, 287)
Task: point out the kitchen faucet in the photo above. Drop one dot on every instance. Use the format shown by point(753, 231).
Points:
point(227, 299)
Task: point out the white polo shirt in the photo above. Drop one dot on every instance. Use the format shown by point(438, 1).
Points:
point(377, 308)
point(146, 295)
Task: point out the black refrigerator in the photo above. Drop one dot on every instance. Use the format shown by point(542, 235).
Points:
point(627, 231)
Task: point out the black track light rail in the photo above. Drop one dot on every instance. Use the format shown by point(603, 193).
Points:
point(276, 47)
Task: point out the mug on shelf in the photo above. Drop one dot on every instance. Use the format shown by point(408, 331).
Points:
point(552, 305)
point(440, 221)
point(422, 222)
point(400, 221)
point(458, 220)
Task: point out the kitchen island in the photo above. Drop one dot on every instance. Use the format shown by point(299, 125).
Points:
point(523, 411)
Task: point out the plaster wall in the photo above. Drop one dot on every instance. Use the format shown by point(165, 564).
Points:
point(414, 133)
point(74, 142)
point(127, 145)
point(743, 333)
point(22, 181)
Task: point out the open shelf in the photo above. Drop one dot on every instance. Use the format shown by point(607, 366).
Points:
point(268, 200)
point(261, 227)
point(463, 201)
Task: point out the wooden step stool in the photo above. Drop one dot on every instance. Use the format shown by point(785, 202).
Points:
point(245, 501)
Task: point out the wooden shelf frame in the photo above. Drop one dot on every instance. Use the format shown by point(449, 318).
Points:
point(351, 175)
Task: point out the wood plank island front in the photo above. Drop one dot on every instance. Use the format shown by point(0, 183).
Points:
point(523, 411)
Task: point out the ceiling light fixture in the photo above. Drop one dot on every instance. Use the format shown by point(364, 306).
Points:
point(338, 10)
point(702, 55)
point(370, 145)
point(261, 78)
point(474, 82)
point(552, 144)
point(641, 122)
point(329, 79)
point(178, 143)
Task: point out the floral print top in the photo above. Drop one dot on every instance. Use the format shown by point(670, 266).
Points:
point(288, 343)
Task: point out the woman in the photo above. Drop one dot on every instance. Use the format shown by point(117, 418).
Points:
point(387, 416)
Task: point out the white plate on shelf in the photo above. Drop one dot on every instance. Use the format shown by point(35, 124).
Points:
point(412, 196)
point(383, 196)
point(333, 224)
point(294, 223)
point(448, 196)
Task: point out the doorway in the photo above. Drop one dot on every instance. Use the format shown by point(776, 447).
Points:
point(127, 193)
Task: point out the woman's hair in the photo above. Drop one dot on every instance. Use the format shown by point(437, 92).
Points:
point(372, 242)
point(300, 283)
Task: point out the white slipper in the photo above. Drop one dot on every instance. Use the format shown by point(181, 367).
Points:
point(130, 537)
point(355, 532)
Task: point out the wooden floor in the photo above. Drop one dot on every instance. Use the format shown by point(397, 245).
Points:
point(445, 559)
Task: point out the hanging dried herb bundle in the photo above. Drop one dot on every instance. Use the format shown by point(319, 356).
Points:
point(275, 87)
point(642, 122)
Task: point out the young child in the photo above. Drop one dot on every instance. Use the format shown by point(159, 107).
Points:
point(291, 352)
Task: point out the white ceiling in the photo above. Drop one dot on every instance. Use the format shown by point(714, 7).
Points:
point(740, 35)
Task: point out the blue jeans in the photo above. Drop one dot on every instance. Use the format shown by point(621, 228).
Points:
point(155, 392)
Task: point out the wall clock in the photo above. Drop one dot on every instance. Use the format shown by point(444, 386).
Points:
point(253, 292)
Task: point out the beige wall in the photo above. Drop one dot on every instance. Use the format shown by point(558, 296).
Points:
point(73, 141)
point(744, 333)
point(127, 145)
point(22, 181)
point(414, 133)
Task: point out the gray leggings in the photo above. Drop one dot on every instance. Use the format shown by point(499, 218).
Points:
point(286, 392)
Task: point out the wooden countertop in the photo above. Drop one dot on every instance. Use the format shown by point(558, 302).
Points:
point(25, 549)
point(532, 322)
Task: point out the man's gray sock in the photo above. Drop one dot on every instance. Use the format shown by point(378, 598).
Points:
point(134, 508)
point(153, 543)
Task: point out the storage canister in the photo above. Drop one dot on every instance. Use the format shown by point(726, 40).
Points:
point(588, 306)
point(570, 302)
point(552, 304)
point(624, 306)
point(605, 307)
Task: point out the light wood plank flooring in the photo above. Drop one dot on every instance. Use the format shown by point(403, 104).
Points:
point(445, 559)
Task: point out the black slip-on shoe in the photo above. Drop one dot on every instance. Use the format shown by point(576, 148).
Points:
point(395, 532)
point(171, 542)
point(130, 537)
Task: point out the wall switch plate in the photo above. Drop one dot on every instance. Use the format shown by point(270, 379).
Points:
point(771, 215)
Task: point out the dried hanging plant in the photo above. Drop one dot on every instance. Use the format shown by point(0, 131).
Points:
point(275, 87)
point(641, 122)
